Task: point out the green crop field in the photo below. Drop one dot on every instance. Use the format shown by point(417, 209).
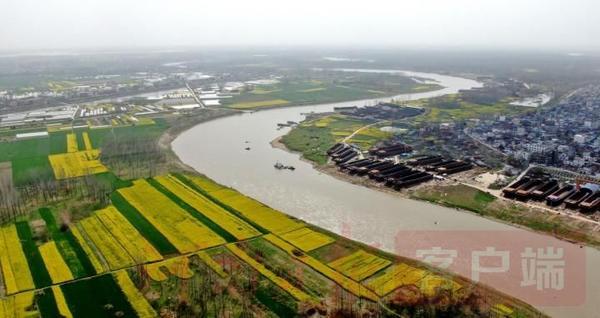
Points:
point(142, 225)
point(313, 137)
point(40, 275)
point(454, 108)
point(71, 251)
point(98, 297)
point(301, 92)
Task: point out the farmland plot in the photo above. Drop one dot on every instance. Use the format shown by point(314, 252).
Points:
point(359, 265)
point(72, 143)
point(15, 269)
point(76, 164)
point(123, 232)
point(98, 263)
point(343, 281)
point(110, 249)
point(57, 268)
point(135, 298)
point(223, 218)
point(282, 283)
point(185, 232)
point(307, 239)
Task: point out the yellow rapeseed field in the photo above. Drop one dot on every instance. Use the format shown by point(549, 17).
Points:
point(205, 183)
point(259, 104)
point(76, 164)
point(178, 266)
point(98, 263)
point(86, 141)
point(230, 223)
point(61, 302)
point(266, 217)
point(389, 279)
point(185, 232)
point(282, 283)
point(135, 298)
point(155, 273)
point(343, 281)
point(136, 245)
point(307, 239)
point(110, 249)
point(57, 268)
point(402, 274)
point(15, 269)
point(72, 142)
point(212, 264)
point(431, 283)
point(145, 121)
point(18, 306)
point(359, 265)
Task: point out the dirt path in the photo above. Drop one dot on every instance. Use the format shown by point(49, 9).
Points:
point(361, 129)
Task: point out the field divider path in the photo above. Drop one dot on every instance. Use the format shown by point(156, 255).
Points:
point(361, 129)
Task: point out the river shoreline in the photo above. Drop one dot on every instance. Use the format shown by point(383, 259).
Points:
point(333, 204)
point(332, 171)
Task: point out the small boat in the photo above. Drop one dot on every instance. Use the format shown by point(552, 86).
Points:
point(247, 148)
point(280, 166)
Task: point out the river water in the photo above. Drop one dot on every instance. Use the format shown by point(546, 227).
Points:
point(217, 149)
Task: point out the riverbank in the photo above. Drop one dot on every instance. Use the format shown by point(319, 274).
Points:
point(445, 193)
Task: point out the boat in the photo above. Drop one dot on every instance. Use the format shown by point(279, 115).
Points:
point(557, 198)
point(525, 191)
point(573, 201)
point(591, 204)
point(280, 166)
point(511, 190)
point(545, 190)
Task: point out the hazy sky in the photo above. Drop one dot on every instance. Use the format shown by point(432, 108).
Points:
point(64, 24)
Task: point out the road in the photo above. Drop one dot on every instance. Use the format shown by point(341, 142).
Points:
point(198, 100)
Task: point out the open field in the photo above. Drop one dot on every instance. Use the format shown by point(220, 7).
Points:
point(313, 137)
point(454, 108)
point(76, 164)
point(185, 232)
point(307, 239)
point(259, 104)
point(57, 268)
point(229, 222)
point(359, 265)
point(15, 269)
point(254, 211)
point(471, 199)
point(129, 271)
point(322, 89)
point(134, 243)
point(30, 157)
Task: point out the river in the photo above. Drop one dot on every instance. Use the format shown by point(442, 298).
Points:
point(217, 149)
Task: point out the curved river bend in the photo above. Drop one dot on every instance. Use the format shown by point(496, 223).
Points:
point(216, 148)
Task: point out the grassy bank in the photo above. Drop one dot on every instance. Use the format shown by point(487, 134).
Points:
point(326, 90)
point(485, 204)
point(455, 108)
point(313, 137)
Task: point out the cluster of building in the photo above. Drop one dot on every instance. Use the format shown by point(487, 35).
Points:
point(382, 165)
point(381, 111)
point(89, 88)
point(584, 197)
point(565, 136)
point(49, 115)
